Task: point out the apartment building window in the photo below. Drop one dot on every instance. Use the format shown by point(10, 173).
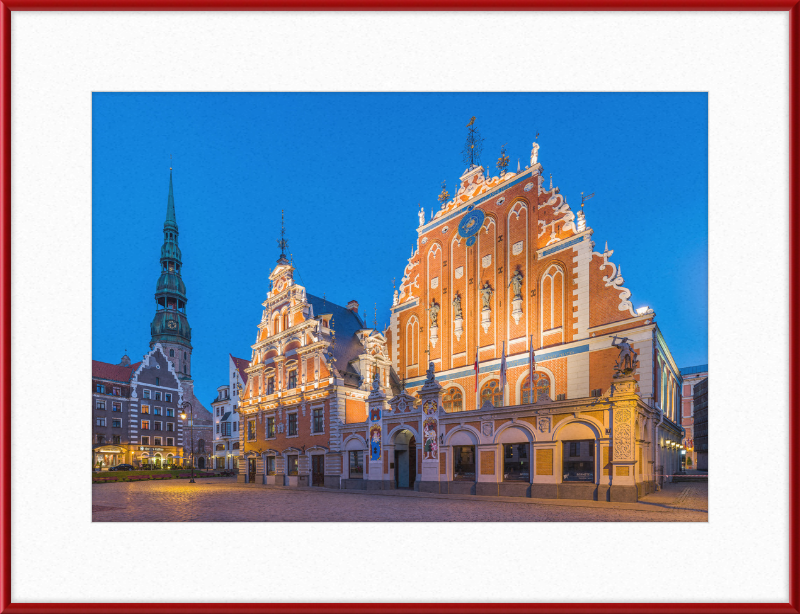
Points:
point(226, 429)
point(271, 426)
point(101, 421)
point(291, 462)
point(271, 384)
point(145, 409)
point(356, 464)
point(235, 427)
point(100, 388)
point(168, 397)
point(319, 420)
point(597, 392)
point(156, 441)
point(158, 394)
point(170, 426)
point(292, 379)
point(292, 424)
point(100, 439)
point(157, 411)
point(251, 430)
point(170, 412)
point(219, 411)
point(100, 405)
point(146, 394)
point(116, 392)
point(146, 440)
point(217, 428)
point(156, 426)
point(115, 439)
point(270, 465)
point(145, 425)
point(170, 441)
point(116, 407)
point(117, 424)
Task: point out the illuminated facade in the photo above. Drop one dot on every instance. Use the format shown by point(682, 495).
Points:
point(309, 375)
point(505, 267)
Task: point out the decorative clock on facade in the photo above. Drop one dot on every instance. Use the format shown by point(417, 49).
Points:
point(470, 224)
point(172, 324)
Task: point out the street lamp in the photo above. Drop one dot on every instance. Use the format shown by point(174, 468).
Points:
point(191, 430)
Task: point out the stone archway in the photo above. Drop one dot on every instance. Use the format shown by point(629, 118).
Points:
point(201, 462)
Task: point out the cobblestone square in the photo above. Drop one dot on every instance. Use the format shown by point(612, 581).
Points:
point(225, 500)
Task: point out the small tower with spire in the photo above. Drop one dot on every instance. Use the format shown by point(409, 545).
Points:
point(170, 325)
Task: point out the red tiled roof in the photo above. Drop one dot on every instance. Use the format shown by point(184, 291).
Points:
point(117, 373)
point(241, 365)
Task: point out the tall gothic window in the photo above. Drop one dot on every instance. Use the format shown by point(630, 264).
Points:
point(452, 400)
point(542, 386)
point(491, 392)
point(412, 341)
point(552, 297)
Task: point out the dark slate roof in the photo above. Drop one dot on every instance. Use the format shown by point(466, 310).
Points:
point(241, 365)
point(117, 373)
point(345, 324)
point(226, 415)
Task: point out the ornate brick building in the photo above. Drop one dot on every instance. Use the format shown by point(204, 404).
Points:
point(691, 377)
point(309, 376)
point(525, 327)
point(526, 369)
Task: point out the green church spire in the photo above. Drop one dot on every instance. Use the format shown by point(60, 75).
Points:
point(170, 324)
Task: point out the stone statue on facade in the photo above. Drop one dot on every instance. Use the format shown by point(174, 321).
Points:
point(535, 153)
point(486, 296)
point(430, 373)
point(421, 214)
point(516, 284)
point(376, 384)
point(434, 313)
point(457, 307)
point(627, 361)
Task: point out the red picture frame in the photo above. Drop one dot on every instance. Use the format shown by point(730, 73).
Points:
point(6, 605)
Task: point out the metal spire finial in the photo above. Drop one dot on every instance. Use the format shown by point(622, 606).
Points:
point(473, 146)
point(585, 198)
point(282, 242)
point(551, 182)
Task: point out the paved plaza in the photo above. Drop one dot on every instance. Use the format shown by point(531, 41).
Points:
point(225, 500)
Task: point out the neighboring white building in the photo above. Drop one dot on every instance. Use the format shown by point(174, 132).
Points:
point(226, 418)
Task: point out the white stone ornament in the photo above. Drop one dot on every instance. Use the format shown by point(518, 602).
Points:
point(528, 186)
point(486, 261)
point(459, 272)
point(500, 201)
point(435, 283)
point(516, 249)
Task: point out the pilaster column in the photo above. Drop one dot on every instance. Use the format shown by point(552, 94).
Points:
point(430, 395)
point(624, 400)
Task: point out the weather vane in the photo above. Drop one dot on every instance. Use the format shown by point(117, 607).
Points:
point(502, 161)
point(585, 198)
point(444, 194)
point(282, 242)
point(473, 146)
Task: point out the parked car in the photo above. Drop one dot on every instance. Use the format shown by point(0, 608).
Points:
point(122, 467)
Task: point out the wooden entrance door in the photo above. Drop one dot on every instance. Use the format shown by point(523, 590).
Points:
point(318, 470)
point(251, 470)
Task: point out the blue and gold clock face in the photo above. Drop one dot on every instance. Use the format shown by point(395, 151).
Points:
point(470, 224)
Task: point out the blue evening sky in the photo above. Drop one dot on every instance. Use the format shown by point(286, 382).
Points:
point(349, 170)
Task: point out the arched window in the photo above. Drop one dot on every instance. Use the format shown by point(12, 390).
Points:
point(491, 392)
point(452, 400)
point(172, 353)
point(552, 294)
point(412, 344)
point(201, 445)
point(285, 320)
point(542, 386)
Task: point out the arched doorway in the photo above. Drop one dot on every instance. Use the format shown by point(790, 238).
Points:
point(405, 459)
point(201, 462)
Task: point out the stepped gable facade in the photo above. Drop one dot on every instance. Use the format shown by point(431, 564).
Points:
point(309, 375)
